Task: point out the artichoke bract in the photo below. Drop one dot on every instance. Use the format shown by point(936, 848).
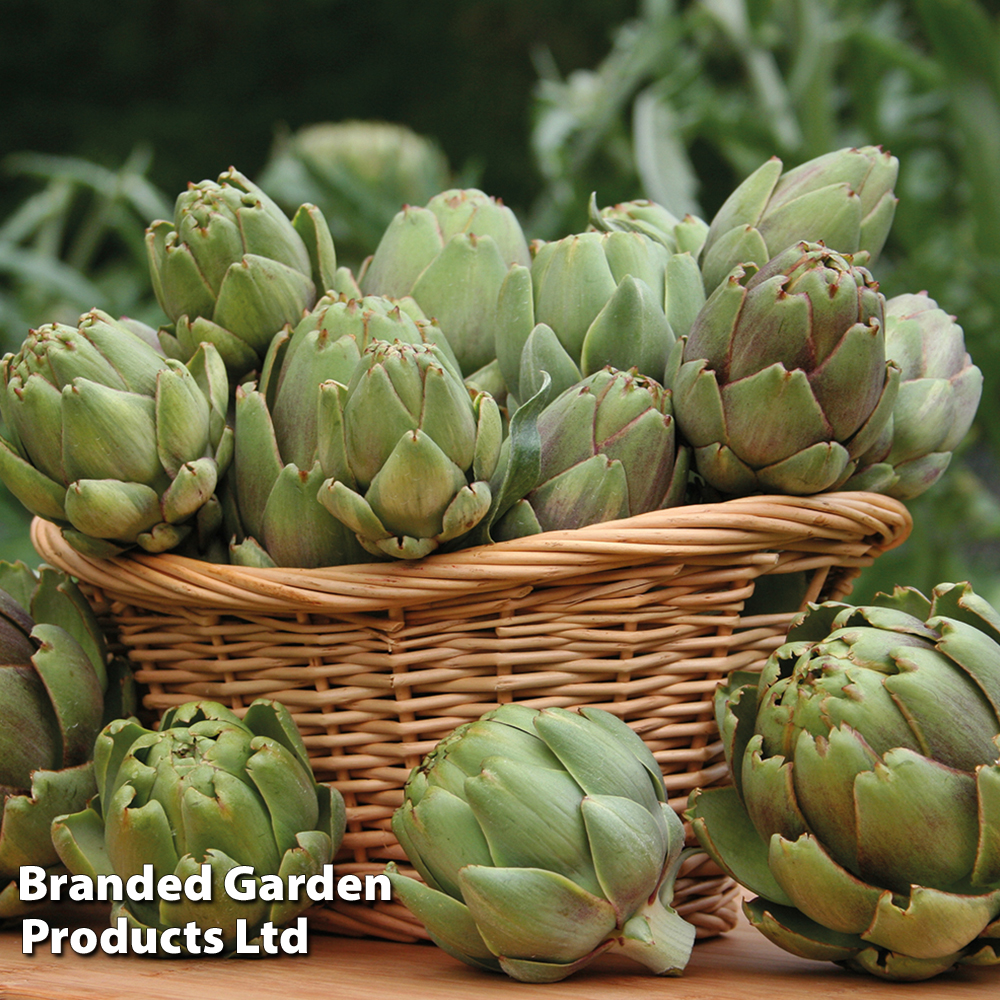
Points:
point(939, 392)
point(451, 257)
point(865, 809)
point(409, 450)
point(783, 383)
point(55, 694)
point(545, 839)
point(843, 199)
point(206, 788)
point(231, 269)
point(608, 450)
point(616, 297)
point(118, 444)
point(278, 465)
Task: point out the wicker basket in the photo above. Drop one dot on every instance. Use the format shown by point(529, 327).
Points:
point(378, 661)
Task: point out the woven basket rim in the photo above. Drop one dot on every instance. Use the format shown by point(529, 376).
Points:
point(740, 529)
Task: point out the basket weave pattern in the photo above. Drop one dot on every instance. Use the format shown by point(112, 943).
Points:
point(377, 662)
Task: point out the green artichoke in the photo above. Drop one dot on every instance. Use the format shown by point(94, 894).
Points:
point(452, 257)
point(410, 450)
point(616, 297)
point(55, 694)
point(116, 443)
point(843, 199)
point(608, 450)
point(231, 269)
point(685, 235)
point(278, 466)
point(939, 390)
point(865, 810)
point(783, 384)
point(544, 839)
point(205, 788)
point(357, 173)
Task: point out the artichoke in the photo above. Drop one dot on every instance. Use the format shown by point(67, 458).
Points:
point(865, 810)
point(783, 384)
point(205, 788)
point(685, 235)
point(230, 269)
point(357, 173)
point(608, 450)
point(54, 673)
point(939, 390)
point(452, 257)
point(544, 839)
point(278, 463)
point(116, 443)
point(616, 297)
point(410, 450)
point(843, 199)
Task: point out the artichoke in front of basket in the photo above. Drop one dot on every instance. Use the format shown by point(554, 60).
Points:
point(451, 256)
point(281, 452)
point(57, 688)
point(205, 788)
point(843, 199)
point(939, 391)
point(544, 839)
point(409, 450)
point(608, 450)
point(783, 384)
point(231, 269)
point(111, 440)
point(865, 809)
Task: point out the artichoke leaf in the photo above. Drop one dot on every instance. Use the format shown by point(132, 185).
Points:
point(444, 836)
point(532, 913)
point(27, 819)
point(930, 924)
point(526, 970)
point(595, 757)
point(234, 820)
point(78, 839)
point(917, 822)
point(722, 825)
point(36, 491)
point(796, 933)
point(986, 871)
point(58, 599)
point(289, 793)
point(544, 806)
point(73, 688)
point(447, 920)
point(629, 849)
point(821, 888)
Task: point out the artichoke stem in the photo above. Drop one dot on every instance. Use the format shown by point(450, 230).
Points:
point(658, 937)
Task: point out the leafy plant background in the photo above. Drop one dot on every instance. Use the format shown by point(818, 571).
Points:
point(109, 112)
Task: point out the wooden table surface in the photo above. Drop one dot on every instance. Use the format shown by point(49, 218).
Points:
point(742, 965)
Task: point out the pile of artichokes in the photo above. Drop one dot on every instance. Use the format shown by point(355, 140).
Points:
point(464, 386)
point(295, 413)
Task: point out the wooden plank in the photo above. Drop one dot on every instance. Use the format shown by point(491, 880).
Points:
point(741, 965)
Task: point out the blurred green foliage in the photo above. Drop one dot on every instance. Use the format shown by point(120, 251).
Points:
point(206, 83)
point(540, 103)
